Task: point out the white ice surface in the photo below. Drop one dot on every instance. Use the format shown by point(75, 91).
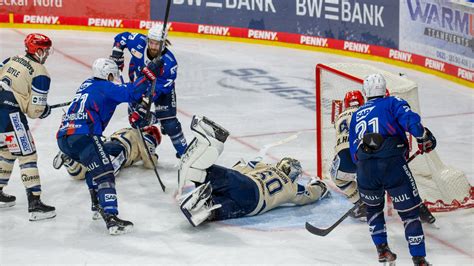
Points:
point(254, 117)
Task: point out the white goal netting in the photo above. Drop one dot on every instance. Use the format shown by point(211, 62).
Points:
point(441, 187)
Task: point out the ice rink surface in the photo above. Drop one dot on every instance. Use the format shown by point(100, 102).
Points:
point(230, 83)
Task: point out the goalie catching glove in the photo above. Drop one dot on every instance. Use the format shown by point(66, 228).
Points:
point(427, 142)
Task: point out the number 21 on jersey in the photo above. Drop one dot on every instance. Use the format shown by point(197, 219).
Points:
point(361, 127)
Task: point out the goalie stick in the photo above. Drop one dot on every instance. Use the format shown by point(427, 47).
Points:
point(324, 231)
point(265, 147)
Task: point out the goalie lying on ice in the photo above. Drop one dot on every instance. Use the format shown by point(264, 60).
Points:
point(246, 189)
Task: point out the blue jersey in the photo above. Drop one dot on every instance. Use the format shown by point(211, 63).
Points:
point(94, 104)
point(136, 43)
point(389, 116)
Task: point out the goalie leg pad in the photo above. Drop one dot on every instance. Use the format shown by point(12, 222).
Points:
point(203, 150)
point(345, 181)
point(197, 206)
point(7, 160)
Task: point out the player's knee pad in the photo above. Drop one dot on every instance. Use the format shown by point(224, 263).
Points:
point(203, 150)
point(20, 141)
point(172, 128)
point(29, 171)
point(7, 160)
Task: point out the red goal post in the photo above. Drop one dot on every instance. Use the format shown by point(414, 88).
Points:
point(441, 187)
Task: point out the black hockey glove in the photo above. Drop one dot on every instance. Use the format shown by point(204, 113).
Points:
point(117, 57)
point(427, 142)
point(152, 70)
point(46, 112)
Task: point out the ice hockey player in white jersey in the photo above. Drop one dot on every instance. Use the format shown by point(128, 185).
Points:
point(126, 148)
point(24, 87)
point(343, 169)
point(246, 189)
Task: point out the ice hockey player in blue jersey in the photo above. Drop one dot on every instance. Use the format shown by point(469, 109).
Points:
point(79, 135)
point(143, 49)
point(379, 147)
point(246, 189)
point(343, 169)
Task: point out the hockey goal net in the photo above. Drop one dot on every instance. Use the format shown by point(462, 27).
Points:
point(442, 188)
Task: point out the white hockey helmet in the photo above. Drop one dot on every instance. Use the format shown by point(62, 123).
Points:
point(155, 33)
point(374, 86)
point(103, 67)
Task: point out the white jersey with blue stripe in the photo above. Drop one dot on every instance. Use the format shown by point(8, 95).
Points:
point(29, 82)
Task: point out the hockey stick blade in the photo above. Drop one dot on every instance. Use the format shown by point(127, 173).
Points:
point(324, 231)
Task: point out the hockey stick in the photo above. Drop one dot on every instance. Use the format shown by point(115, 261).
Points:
point(158, 58)
point(59, 105)
point(324, 231)
point(266, 147)
point(151, 159)
point(147, 151)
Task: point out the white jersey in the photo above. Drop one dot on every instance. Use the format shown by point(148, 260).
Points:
point(341, 125)
point(276, 188)
point(29, 81)
point(134, 147)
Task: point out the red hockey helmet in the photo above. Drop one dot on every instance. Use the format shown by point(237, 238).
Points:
point(155, 132)
point(36, 42)
point(353, 98)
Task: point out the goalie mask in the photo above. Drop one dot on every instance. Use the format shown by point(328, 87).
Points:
point(291, 167)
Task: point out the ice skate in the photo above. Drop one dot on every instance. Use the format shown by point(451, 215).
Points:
point(6, 200)
point(386, 256)
point(420, 261)
point(115, 225)
point(425, 215)
point(360, 213)
point(38, 210)
point(94, 205)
